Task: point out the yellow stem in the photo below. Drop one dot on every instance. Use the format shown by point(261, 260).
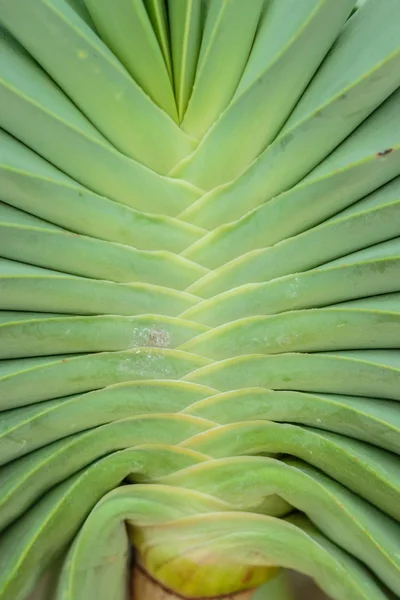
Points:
point(145, 587)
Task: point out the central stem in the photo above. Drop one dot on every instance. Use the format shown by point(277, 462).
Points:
point(146, 588)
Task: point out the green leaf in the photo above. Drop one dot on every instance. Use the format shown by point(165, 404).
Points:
point(185, 22)
point(127, 30)
point(95, 80)
point(292, 38)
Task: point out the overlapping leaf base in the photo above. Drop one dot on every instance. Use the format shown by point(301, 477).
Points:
point(200, 295)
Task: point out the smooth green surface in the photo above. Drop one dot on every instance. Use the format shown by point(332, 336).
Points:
point(185, 26)
point(293, 37)
point(229, 34)
point(199, 296)
point(86, 68)
point(126, 28)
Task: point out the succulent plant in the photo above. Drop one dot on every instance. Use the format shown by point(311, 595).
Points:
point(200, 298)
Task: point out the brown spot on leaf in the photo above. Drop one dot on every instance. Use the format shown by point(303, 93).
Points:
point(158, 338)
point(247, 576)
point(385, 152)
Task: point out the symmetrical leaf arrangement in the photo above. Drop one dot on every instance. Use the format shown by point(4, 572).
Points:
point(200, 294)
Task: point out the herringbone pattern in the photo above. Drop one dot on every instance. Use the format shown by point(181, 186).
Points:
point(202, 300)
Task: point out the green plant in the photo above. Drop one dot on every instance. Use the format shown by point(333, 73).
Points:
point(200, 295)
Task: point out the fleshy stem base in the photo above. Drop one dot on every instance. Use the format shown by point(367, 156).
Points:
point(144, 587)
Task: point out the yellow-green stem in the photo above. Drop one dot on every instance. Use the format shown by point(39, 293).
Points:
point(144, 587)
